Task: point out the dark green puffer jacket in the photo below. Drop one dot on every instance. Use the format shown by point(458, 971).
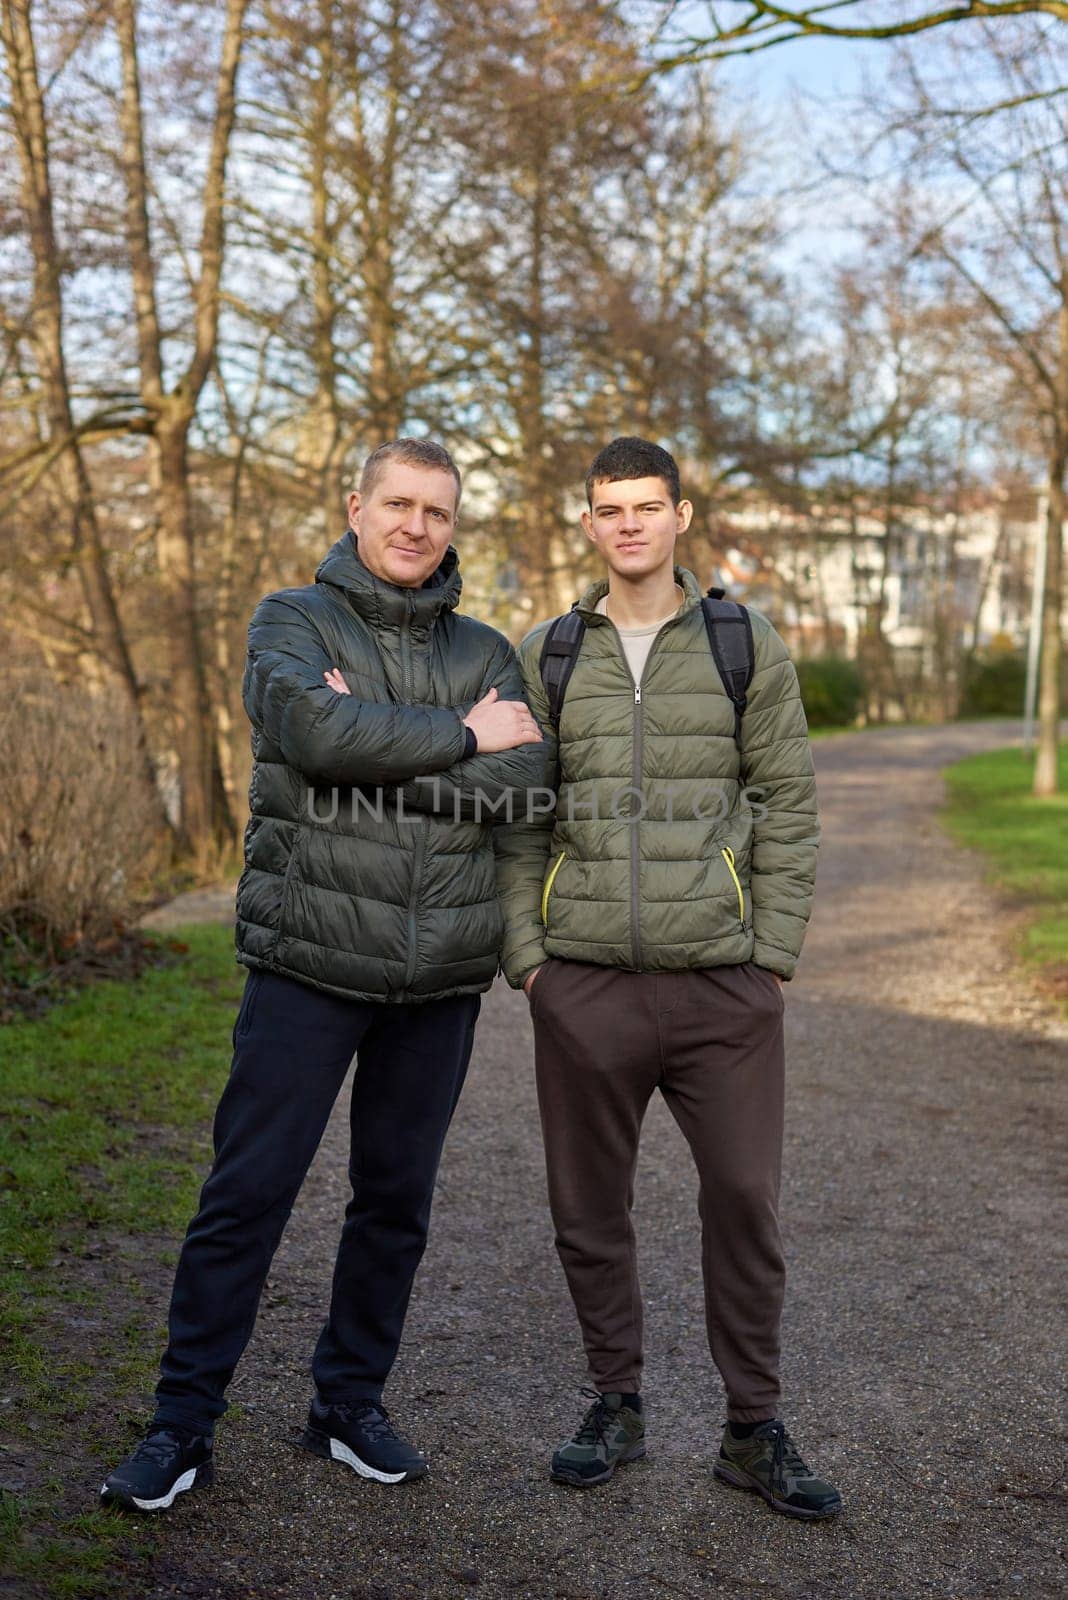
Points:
point(352, 894)
point(664, 852)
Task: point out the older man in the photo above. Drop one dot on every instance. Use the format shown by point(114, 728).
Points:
point(384, 724)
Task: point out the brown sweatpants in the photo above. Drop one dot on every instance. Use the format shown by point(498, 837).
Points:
point(712, 1042)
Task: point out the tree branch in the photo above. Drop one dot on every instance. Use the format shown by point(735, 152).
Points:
point(768, 25)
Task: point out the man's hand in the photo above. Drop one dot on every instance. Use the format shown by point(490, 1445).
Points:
point(501, 724)
point(528, 981)
point(496, 724)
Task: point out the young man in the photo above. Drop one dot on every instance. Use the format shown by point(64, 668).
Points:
point(652, 922)
point(382, 723)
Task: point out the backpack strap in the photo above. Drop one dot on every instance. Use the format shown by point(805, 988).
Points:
point(559, 652)
point(730, 637)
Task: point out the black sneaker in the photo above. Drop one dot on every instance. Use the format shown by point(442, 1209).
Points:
point(168, 1461)
point(361, 1435)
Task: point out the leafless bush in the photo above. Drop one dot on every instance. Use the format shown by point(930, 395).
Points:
point(76, 828)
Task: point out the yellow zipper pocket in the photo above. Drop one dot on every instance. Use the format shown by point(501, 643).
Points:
point(557, 864)
point(728, 855)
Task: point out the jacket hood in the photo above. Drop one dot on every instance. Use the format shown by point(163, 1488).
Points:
point(684, 578)
point(386, 605)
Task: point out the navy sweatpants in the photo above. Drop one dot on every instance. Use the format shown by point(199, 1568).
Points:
point(292, 1048)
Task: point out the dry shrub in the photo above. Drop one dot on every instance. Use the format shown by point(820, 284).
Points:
point(77, 828)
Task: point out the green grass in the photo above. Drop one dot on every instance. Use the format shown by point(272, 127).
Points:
point(991, 808)
point(105, 1107)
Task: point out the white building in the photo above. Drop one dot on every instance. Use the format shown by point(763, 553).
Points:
point(819, 573)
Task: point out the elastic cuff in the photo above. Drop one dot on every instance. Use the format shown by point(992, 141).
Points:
point(777, 961)
point(470, 743)
point(458, 755)
point(764, 1413)
point(352, 1397)
point(521, 981)
point(184, 1419)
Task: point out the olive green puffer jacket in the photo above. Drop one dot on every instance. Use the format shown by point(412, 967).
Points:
point(361, 880)
point(665, 852)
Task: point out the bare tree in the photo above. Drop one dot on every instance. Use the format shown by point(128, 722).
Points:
point(344, 101)
point(1004, 233)
point(171, 404)
point(541, 142)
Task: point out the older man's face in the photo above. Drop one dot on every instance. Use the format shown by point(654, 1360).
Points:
point(405, 525)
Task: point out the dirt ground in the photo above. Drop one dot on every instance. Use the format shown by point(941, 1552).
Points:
point(924, 1216)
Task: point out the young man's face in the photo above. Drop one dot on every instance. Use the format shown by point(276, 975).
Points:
point(406, 522)
point(634, 524)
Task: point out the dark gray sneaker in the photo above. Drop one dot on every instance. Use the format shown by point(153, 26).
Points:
point(609, 1434)
point(769, 1463)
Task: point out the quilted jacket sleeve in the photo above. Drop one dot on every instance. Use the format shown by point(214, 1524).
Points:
point(486, 788)
point(522, 847)
point(334, 738)
point(778, 771)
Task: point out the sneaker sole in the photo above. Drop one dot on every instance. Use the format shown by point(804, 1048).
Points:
point(196, 1478)
point(742, 1480)
point(576, 1481)
point(331, 1449)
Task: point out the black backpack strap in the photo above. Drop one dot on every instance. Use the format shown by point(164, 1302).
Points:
point(730, 636)
point(558, 656)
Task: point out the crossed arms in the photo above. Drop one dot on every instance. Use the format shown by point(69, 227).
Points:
point(337, 738)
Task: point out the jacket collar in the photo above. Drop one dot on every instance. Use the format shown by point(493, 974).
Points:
point(387, 605)
point(586, 607)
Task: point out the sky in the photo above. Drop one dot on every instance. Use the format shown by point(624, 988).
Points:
point(827, 68)
point(804, 89)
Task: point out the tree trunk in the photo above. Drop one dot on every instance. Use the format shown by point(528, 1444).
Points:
point(206, 822)
point(386, 381)
point(326, 438)
point(1051, 654)
point(189, 711)
point(539, 552)
point(1052, 647)
point(387, 385)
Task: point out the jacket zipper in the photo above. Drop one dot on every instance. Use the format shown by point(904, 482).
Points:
point(636, 785)
point(286, 882)
point(636, 821)
point(557, 864)
point(413, 904)
point(422, 824)
point(728, 855)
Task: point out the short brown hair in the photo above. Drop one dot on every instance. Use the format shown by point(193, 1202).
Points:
point(629, 457)
point(408, 453)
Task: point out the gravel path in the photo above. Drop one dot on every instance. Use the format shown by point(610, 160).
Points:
point(923, 1215)
point(214, 904)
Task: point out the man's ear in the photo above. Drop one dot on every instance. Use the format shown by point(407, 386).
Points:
point(684, 513)
point(587, 527)
point(354, 510)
